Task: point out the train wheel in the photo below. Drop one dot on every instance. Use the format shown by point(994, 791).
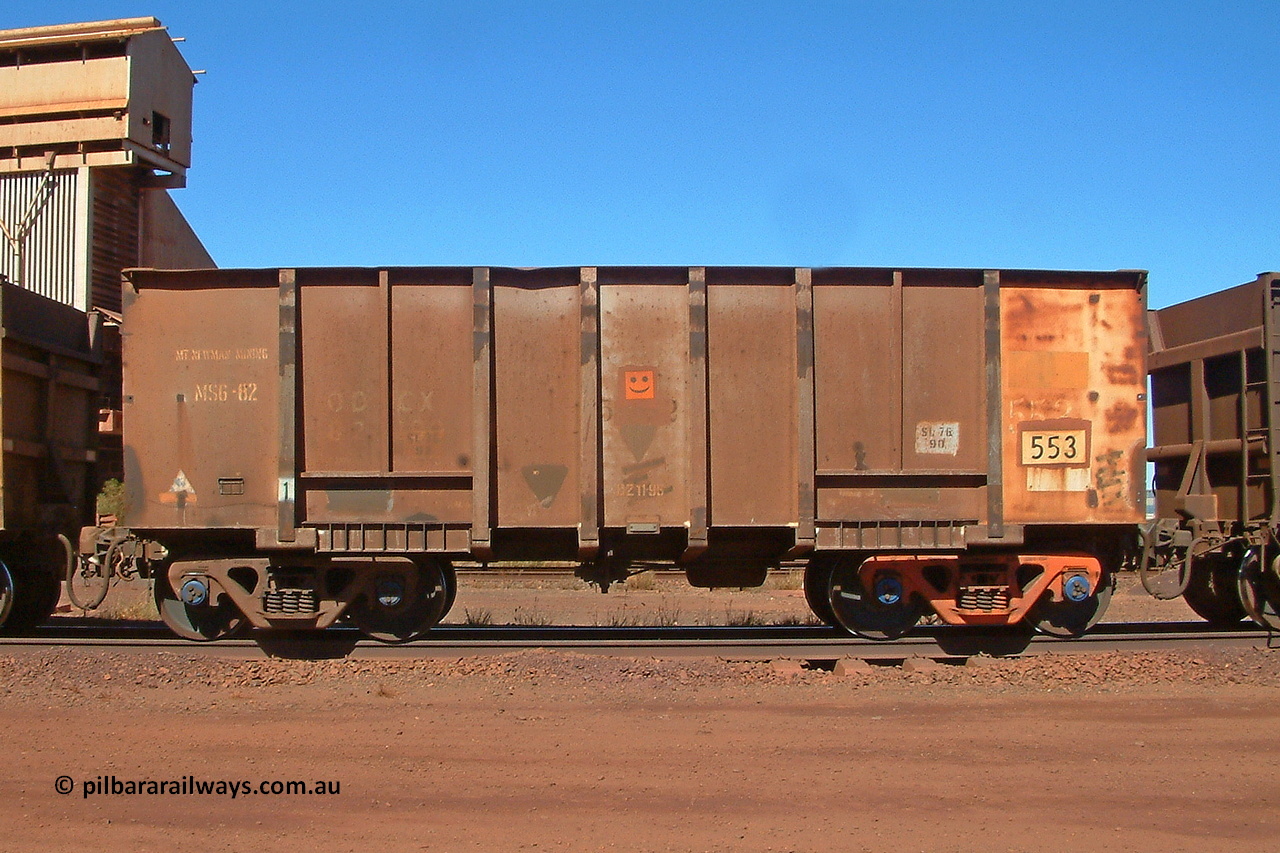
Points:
point(200, 619)
point(1068, 618)
point(50, 591)
point(6, 595)
point(884, 613)
point(817, 592)
point(33, 598)
point(405, 600)
point(1259, 590)
point(1212, 590)
point(451, 590)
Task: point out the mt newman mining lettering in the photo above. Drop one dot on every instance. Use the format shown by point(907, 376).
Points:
point(250, 354)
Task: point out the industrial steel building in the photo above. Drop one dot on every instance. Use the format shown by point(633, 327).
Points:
point(95, 130)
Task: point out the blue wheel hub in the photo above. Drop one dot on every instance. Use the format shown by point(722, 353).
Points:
point(888, 590)
point(194, 592)
point(1076, 588)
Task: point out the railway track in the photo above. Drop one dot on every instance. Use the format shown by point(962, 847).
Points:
point(753, 643)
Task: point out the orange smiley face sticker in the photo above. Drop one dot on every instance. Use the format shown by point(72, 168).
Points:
point(638, 384)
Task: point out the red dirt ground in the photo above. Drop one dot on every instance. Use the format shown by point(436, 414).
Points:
point(555, 751)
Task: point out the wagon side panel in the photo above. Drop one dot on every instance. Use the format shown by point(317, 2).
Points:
point(1212, 387)
point(343, 318)
point(901, 404)
point(858, 374)
point(753, 397)
point(201, 399)
point(48, 408)
point(645, 401)
point(1073, 385)
point(386, 368)
point(943, 373)
point(537, 322)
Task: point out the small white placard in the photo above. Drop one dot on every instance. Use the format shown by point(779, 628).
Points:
point(938, 437)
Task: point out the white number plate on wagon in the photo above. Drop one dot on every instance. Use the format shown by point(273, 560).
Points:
point(1067, 447)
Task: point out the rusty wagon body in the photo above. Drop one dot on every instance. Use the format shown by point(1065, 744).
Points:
point(1215, 389)
point(49, 393)
point(307, 444)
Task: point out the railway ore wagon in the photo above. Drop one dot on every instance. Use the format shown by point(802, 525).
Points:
point(49, 396)
point(314, 444)
point(1215, 392)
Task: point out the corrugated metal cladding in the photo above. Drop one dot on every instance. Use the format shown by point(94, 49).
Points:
point(68, 233)
point(39, 251)
point(115, 232)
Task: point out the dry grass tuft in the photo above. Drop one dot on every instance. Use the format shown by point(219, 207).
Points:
point(620, 619)
point(477, 618)
point(742, 619)
point(530, 618)
point(664, 617)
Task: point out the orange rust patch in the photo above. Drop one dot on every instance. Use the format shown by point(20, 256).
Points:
point(1124, 373)
point(1121, 418)
point(1047, 369)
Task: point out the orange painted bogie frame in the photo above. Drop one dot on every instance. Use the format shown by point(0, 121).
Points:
point(1002, 570)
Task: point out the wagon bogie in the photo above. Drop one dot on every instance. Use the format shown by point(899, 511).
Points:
point(197, 607)
point(884, 596)
point(390, 598)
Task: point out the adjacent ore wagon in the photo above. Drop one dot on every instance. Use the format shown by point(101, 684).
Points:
point(49, 417)
point(314, 444)
point(1215, 389)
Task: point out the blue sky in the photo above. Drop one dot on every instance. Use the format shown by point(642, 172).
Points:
point(1073, 135)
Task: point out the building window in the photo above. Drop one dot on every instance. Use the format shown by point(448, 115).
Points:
point(160, 131)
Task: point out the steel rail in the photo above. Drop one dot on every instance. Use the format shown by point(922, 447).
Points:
point(752, 643)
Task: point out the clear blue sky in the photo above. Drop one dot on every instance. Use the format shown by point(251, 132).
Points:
point(1061, 135)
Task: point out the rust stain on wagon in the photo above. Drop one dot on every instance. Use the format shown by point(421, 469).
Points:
point(1047, 369)
point(1039, 321)
point(1123, 373)
point(1044, 407)
point(1112, 478)
point(1121, 418)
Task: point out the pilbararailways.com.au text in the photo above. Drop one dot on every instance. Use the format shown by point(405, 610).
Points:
point(190, 786)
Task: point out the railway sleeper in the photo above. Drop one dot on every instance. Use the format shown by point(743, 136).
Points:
point(883, 597)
